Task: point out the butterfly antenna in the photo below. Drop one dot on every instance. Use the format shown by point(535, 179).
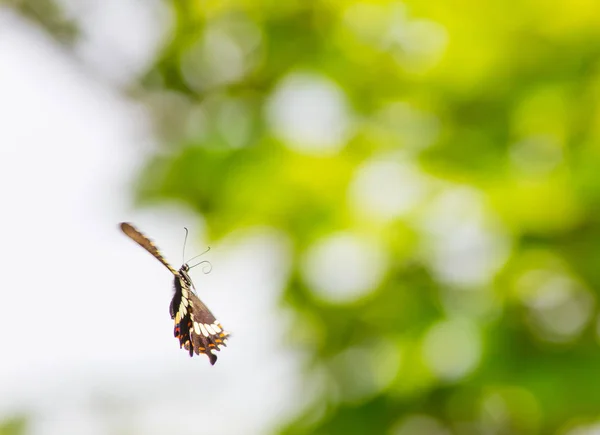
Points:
point(184, 242)
point(206, 269)
point(207, 266)
point(199, 255)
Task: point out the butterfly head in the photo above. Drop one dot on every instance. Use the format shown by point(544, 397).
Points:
point(183, 272)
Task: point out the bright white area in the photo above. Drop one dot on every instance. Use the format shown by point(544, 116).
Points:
point(452, 349)
point(343, 267)
point(86, 340)
point(310, 114)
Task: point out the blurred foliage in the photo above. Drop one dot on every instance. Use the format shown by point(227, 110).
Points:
point(496, 106)
point(48, 15)
point(481, 121)
point(13, 426)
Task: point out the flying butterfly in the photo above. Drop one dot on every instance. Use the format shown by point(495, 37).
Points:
point(197, 330)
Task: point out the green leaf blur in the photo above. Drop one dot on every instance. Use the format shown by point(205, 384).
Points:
point(483, 317)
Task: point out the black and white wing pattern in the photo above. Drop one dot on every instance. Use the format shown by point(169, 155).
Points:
point(196, 327)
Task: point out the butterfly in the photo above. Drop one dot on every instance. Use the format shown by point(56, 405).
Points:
point(197, 330)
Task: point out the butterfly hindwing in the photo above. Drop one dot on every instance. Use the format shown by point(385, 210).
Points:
point(196, 328)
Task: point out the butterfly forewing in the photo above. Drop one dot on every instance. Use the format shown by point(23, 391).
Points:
point(195, 326)
point(145, 243)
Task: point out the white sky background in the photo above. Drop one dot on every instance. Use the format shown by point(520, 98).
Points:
point(86, 341)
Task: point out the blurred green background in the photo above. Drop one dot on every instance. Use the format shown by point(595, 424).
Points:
point(434, 166)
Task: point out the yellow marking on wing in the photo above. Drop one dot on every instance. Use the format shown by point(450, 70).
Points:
point(203, 329)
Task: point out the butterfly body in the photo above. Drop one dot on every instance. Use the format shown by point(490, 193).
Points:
point(196, 328)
